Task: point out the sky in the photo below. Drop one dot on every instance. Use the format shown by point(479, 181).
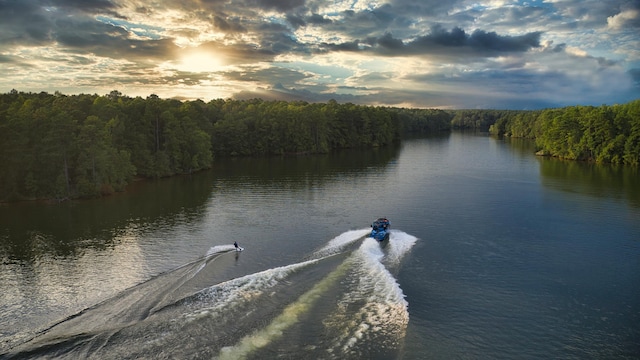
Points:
point(455, 54)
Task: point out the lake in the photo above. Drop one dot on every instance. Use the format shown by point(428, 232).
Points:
point(494, 253)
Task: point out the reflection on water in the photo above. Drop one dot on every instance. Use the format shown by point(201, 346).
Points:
point(521, 147)
point(598, 180)
point(518, 257)
point(66, 256)
point(32, 230)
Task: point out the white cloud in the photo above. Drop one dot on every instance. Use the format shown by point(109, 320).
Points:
point(619, 20)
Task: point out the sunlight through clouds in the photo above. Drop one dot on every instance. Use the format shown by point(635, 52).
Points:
point(463, 53)
point(199, 61)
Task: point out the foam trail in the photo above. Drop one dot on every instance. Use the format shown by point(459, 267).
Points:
point(211, 254)
point(339, 242)
point(288, 317)
point(220, 248)
point(243, 289)
point(381, 317)
point(365, 315)
point(399, 246)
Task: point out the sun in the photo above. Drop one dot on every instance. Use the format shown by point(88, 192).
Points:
point(199, 61)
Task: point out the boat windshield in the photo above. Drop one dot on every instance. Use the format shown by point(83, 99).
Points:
point(380, 224)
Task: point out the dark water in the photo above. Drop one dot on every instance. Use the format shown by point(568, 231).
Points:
point(494, 253)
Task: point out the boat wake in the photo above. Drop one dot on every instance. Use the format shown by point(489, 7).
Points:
point(341, 302)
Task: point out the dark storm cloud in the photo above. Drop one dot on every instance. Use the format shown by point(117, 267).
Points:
point(228, 25)
point(275, 36)
point(88, 6)
point(388, 42)
point(108, 41)
point(316, 19)
point(298, 21)
point(23, 22)
point(479, 42)
point(445, 43)
point(280, 5)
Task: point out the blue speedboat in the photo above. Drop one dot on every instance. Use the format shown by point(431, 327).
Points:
point(380, 229)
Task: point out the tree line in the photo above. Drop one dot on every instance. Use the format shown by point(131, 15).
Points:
point(603, 134)
point(54, 146)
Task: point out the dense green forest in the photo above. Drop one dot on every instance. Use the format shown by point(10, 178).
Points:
point(603, 134)
point(54, 146)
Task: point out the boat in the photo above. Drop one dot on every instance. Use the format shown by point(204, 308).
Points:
point(380, 229)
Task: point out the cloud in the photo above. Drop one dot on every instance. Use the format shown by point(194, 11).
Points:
point(455, 44)
point(9, 60)
point(626, 18)
point(280, 5)
point(459, 53)
point(108, 41)
point(23, 23)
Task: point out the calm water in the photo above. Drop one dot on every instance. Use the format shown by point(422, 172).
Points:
point(495, 253)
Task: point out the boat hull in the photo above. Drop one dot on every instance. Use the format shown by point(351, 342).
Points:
point(380, 229)
point(380, 235)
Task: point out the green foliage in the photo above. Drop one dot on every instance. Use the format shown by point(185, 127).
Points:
point(57, 146)
point(421, 121)
point(603, 134)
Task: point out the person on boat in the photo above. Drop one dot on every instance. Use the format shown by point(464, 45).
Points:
point(235, 243)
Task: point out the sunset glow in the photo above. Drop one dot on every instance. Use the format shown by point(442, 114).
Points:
point(448, 54)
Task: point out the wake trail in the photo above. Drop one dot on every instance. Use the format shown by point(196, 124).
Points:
point(124, 309)
point(344, 287)
point(340, 242)
point(372, 314)
point(253, 285)
point(372, 309)
point(288, 317)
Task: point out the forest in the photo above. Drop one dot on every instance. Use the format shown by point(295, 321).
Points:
point(602, 134)
point(56, 146)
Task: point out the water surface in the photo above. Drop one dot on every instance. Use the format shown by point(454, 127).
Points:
point(495, 253)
